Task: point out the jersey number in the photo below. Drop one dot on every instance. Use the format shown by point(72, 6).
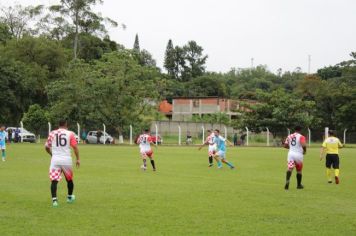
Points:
point(293, 142)
point(60, 140)
point(143, 140)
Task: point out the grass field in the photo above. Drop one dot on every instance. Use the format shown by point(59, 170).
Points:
point(184, 197)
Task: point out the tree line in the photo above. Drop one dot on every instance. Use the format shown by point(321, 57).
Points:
point(59, 61)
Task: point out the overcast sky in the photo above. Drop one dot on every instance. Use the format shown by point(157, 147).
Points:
point(276, 33)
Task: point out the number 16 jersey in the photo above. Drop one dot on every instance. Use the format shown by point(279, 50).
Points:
point(60, 141)
point(295, 142)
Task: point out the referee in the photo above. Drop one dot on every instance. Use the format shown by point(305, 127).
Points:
point(331, 147)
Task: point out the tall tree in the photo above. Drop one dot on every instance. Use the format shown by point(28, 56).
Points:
point(193, 54)
point(82, 17)
point(136, 46)
point(169, 59)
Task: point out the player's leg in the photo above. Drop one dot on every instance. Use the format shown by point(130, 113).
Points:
point(210, 155)
point(290, 167)
point(150, 155)
point(328, 163)
point(68, 174)
point(217, 159)
point(224, 160)
point(144, 160)
point(336, 163)
point(3, 153)
point(299, 168)
point(55, 177)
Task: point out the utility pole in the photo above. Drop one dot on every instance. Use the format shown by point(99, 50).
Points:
point(309, 63)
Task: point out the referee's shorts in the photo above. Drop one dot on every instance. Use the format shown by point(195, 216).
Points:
point(332, 160)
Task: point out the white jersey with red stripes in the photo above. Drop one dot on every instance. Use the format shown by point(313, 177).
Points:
point(211, 142)
point(295, 142)
point(60, 142)
point(144, 141)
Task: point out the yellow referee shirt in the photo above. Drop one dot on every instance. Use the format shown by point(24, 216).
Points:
point(332, 145)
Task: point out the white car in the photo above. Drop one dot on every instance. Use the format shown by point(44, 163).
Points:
point(25, 134)
point(104, 138)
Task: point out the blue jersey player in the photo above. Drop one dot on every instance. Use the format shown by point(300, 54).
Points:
point(220, 155)
point(3, 142)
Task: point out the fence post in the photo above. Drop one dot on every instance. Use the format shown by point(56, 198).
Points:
point(104, 126)
point(288, 130)
point(326, 133)
point(179, 135)
point(21, 124)
point(247, 135)
point(130, 134)
point(78, 133)
point(267, 136)
point(156, 134)
point(49, 127)
point(203, 128)
point(309, 137)
point(225, 129)
point(345, 130)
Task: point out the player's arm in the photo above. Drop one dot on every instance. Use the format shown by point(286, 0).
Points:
point(205, 143)
point(74, 145)
point(48, 145)
point(304, 145)
point(286, 143)
point(229, 143)
point(48, 150)
point(340, 144)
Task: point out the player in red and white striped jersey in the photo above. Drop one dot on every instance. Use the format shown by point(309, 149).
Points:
point(210, 140)
point(297, 149)
point(58, 145)
point(145, 141)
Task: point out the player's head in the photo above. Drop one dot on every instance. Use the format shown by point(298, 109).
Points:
point(298, 129)
point(63, 123)
point(146, 131)
point(209, 131)
point(217, 132)
point(2, 127)
point(331, 132)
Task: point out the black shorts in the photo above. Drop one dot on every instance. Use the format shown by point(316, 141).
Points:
point(332, 160)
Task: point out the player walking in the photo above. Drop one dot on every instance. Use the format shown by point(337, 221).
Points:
point(58, 146)
point(331, 147)
point(3, 142)
point(210, 140)
point(220, 155)
point(145, 141)
point(297, 149)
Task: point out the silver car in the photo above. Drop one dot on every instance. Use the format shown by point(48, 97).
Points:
point(25, 134)
point(104, 138)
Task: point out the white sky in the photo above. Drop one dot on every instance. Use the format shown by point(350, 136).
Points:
point(276, 33)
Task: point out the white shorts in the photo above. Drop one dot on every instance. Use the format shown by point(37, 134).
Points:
point(295, 160)
point(221, 154)
point(2, 146)
point(211, 150)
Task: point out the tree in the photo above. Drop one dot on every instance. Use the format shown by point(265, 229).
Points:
point(18, 19)
point(169, 59)
point(35, 118)
point(136, 46)
point(5, 34)
point(278, 111)
point(82, 18)
point(195, 60)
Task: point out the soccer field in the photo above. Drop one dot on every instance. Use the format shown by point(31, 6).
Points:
point(184, 197)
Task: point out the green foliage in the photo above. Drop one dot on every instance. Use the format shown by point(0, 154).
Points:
point(136, 46)
point(216, 118)
point(35, 118)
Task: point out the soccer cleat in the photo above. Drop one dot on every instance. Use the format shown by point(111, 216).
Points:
point(232, 167)
point(330, 182)
point(286, 187)
point(70, 199)
point(3, 159)
point(55, 203)
point(210, 165)
point(154, 169)
point(143, 167)
point(300, 187)
point(337, 181)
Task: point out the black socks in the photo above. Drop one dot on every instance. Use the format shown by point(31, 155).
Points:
point(54, 189)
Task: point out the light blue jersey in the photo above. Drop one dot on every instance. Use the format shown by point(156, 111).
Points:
point(2, 139)
point(220, 143)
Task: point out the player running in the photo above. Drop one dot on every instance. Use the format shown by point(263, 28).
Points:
point(331, 147)
point(3, 142)
point(220, 155)
point(297, 149)
point(58, 145)
point(145, 141)
point(210, 140)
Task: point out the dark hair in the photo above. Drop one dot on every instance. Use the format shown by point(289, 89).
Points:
point(62, 123)
point(147, 130)
point(298, 128)
point(331, 132)
point(217, 130)
point(209, 130)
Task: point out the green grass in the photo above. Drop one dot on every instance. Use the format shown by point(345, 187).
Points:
point(184, 197)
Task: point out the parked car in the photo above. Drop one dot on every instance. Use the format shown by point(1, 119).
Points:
point(105, 137)
point(156, 138)
point(25, 134)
